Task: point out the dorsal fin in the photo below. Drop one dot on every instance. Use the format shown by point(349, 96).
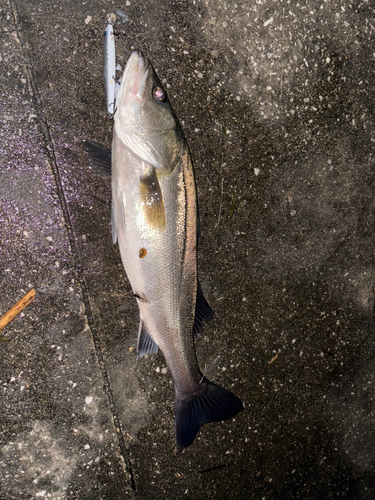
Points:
point(99, 158)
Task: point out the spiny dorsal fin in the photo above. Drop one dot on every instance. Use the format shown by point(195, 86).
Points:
point(203, 313)
point(152, 199)
point(145, 344)
point(99, 158)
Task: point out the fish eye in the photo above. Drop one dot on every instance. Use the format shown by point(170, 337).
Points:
point(159, 94)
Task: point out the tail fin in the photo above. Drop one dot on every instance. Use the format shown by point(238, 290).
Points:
point(213, 405)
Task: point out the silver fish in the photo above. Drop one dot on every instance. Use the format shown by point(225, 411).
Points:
point(154, 220)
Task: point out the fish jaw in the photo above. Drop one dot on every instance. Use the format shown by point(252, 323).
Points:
point(132, 89)
point(145, 124)
point(130, 98)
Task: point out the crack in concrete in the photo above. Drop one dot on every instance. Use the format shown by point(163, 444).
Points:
point(48, 145)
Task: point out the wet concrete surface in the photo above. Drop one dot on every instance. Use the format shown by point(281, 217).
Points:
point(276, 100)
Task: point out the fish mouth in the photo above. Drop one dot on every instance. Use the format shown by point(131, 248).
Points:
point(135, 76)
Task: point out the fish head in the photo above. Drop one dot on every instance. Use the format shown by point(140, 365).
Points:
point(144, 118)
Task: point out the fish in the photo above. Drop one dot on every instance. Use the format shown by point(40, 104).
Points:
point(156, 224)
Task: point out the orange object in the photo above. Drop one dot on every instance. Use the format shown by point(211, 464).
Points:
point(17, 308)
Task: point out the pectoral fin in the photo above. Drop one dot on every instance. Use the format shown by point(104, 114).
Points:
point(152, 199)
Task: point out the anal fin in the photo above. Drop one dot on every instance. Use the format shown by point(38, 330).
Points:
point(145, 344)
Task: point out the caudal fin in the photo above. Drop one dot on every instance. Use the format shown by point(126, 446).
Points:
point(213, 405)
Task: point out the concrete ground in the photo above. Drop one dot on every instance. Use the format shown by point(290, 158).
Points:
point(276, 99)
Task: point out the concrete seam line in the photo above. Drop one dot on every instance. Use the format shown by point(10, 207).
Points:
point(48, 145)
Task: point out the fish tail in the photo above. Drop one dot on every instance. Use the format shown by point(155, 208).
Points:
point(213, 404)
